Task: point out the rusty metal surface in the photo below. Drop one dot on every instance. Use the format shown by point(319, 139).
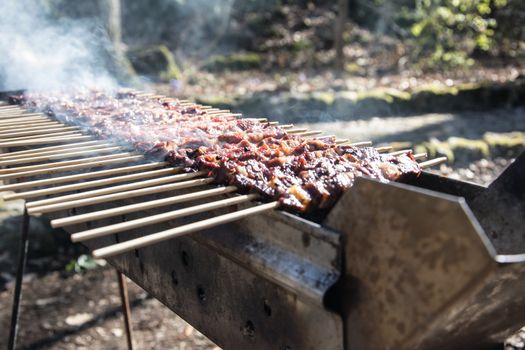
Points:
point(420, 272)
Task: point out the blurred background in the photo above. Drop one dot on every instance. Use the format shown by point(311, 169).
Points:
point(439, 76)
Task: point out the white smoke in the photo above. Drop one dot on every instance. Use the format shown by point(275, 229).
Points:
point(39, 52)
point(207, 23)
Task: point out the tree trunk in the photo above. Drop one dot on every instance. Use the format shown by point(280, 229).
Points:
point(111, 10)
point(342, 11)
point(119, 65)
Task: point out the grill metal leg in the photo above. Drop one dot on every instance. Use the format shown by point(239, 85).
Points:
point(126, 310)
point(22, 260)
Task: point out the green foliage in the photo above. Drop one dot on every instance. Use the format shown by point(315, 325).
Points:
point(83, 263)
point(447, 32)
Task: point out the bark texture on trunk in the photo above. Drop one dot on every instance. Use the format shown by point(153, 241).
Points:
point(342, 12)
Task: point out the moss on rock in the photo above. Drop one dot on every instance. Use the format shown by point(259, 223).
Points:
point(236, 61)
point(505, 144)
point(377, 94)
point(435, 148)
point(155, 62)
point(326, 98)
point(462, 150)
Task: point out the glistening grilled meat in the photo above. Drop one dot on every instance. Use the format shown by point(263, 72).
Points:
point(303, 174)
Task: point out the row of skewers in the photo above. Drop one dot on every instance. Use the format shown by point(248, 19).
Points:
point(66, 149)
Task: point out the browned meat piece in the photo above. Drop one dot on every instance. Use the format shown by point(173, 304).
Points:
point(303, 174)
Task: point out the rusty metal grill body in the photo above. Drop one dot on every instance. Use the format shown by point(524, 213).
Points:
point(437, 263)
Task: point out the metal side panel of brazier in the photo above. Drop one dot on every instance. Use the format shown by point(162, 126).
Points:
point(241, 284)
point(421, 273)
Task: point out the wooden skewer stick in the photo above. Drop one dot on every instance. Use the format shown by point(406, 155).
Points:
point(117, 196)
point(43, 141)
point(131, 208)
point(11, 111)
point(324, 137)
point(82, 176)
point(54, 148)
point(181, 230)
point(309, 133)
point(5, 105)
point(36, 132)
point(400, 152)
point(36, 153)
point(56, 156)
point(18, 126)
point(15, 109)
point(41, 136)
point(384, 149)
point(25, 121)
point(420, 155)
point(296, 131)
point(91, 184)
point(18, 111)
point(220, 112)
point(6, 118)
point(405, 151)
point(341, 141)
point(155, 219)
point(16, 114)
point(262, 120)
point(62, 163)
point(432, 162)
point(20, 114)
point(361, 144)
point(37, 128)
point(70, 167)
point(116, 189)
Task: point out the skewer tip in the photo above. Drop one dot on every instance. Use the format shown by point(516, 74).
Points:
point(432, 162)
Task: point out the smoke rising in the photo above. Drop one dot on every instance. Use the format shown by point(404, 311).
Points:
point(210, 21)
point(41, 51)
point(189, 28)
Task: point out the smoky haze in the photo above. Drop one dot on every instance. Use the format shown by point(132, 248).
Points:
point(41, 51)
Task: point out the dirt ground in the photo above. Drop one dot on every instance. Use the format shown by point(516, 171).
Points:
point(82, 311)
